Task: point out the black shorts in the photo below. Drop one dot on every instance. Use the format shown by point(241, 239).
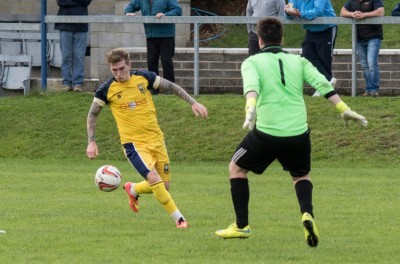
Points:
point(258, 150)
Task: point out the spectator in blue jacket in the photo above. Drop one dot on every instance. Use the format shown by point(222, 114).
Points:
point(73, 40)
point(319, 40)
point(160, 38)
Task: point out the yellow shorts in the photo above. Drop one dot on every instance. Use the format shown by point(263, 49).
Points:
point(146, 156)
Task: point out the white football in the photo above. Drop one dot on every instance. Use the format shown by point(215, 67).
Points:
point(107, 178)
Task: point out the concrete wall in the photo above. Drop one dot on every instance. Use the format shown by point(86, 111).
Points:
point(103, 37)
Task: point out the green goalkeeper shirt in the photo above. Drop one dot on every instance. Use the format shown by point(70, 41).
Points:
point(278, 79)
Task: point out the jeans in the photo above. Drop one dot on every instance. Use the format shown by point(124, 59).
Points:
point(73, 49)
point(368, 51)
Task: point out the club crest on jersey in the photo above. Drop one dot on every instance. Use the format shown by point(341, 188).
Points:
point(141, 88)
point(166, 168)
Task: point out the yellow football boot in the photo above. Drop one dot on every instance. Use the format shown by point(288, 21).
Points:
point(234, 232)
point(310, 230)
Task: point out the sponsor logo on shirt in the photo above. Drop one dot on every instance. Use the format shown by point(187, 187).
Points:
point(132, 105)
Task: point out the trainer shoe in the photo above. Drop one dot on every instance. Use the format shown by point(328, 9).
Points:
point(234, 232)
point(333, 82)
point(133, 200)
point(316, 94)
point(181, 223)
point(77, 88)
point(374, 94)
point(310, 230)
point(66, 88)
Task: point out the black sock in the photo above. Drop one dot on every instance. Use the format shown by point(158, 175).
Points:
point(304, 196)
point(240, 198)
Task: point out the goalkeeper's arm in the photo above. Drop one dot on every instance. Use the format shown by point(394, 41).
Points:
point(250, 119)
point(346, 113)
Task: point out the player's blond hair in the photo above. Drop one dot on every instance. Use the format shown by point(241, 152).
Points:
point(117, 55)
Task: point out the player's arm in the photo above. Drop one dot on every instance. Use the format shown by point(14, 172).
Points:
point(345, 111)
point(197, 108)
point(92, 150)
point(250, 108)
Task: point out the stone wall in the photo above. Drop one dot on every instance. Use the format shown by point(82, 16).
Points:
point(219, 70)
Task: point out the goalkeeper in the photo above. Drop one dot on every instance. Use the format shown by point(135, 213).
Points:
point(277, 119)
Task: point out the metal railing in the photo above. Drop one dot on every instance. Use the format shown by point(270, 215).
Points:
point(196, 21)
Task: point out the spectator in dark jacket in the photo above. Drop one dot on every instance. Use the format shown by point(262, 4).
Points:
point(369, 40)
point(160, 38)
point(73, 40)
point(396, 10)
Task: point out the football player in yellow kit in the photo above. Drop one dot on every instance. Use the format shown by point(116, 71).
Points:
point(129, 98)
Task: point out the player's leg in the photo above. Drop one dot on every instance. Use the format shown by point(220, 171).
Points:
point(140, 158)
point(295, 157)
point(162, 172)
point(249, 156)
point(162, 164)
point(304, 188)
point(240, 197)
point(164, 197)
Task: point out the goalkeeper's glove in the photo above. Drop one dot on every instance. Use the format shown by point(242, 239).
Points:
point(347, 114)
point(250, 119)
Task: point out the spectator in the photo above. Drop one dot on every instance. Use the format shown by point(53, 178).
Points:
point(319, 40)
point(261, 8)
point(160, 38)
point(369, 40)
point(73, 40)
point(396, 10)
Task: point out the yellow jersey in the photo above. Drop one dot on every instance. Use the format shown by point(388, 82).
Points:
point(132, 106)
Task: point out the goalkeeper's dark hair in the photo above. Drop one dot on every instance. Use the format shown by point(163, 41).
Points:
point(270, 30)
point(117, 55)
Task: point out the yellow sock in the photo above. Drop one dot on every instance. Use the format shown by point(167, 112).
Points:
point(163, 196)
point(142, 187)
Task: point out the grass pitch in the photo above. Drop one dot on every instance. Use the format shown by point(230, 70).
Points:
point(53, 213)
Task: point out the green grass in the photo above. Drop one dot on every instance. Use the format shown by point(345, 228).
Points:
point(53, 213)
point(236, 35)
point(54, 125)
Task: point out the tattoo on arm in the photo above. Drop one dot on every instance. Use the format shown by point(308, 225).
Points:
point(177, 90)
point(94, 111)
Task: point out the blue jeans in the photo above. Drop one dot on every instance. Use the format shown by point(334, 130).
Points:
point(73, 49)
point(368, 51)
